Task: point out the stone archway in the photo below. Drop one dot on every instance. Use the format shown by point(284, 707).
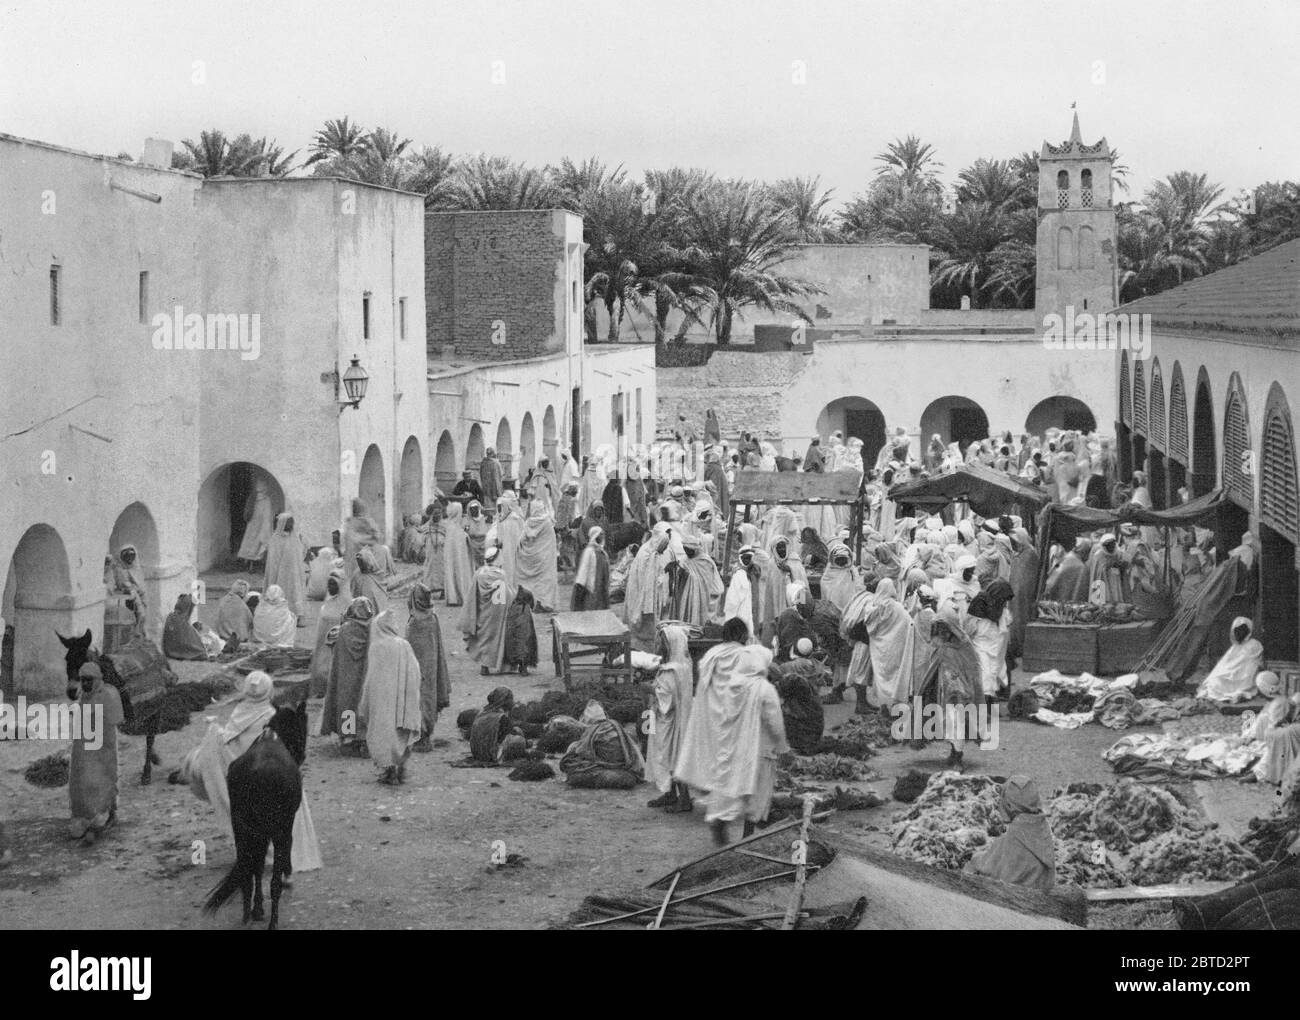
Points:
point(856, 417)
point(527, 445)
point(445, 470)
point(1205, 464)
point(226, 497)
point(135, 526)
point(956, 419)
point(410, 499)
point(371, 489)
point(1059, 412)
point(38, 605)
point(505, 450)
point(550, 436)
point(474, 449)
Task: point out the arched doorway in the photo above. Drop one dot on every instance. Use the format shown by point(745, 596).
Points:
point(856, 417)
point(1156, 422)
point(527, 445)
point(370, 487)
point(1239, 467)
point(956, 419)
point(1057, 412)
point(1279, 531)
point(37, 605)
point(1177, 446)
point(445, 470)
point(505, 451)
point(1124, 427)
point(474, 449)
point(411, 498)
point(226, 497)
point(135, 526)
point(550, 437)
point(1205, 468)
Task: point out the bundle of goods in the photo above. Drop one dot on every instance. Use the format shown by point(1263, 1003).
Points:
point(955, 816)
point(1267, 900)
point(623, 703)
point(1083, 612)
point(1126, 834)
point(1201, 756)
point(871, 731)
point(52, 770)
point(1069, 702)
point(830, 767)
point(276, 660)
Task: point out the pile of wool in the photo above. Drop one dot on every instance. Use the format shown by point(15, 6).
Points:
point(1079, 862)
point(871, 730)
point(1269, 838)
point(1131, 813)
point(52, 770)
point(955, 816)
point(847, 747)
point(1189, 856)
point(830, 767)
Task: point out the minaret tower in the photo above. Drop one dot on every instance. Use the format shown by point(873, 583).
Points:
point(1077, 251)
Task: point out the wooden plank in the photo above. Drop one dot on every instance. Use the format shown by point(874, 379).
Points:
point(766, 487)
point(718, 922)
point(668, 898)
point(693, 896)
point(1169, 891)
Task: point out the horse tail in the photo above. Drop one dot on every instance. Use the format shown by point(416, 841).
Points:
point(233, 881)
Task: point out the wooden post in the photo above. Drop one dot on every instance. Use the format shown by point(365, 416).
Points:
point(801, 870)
point(668, 898)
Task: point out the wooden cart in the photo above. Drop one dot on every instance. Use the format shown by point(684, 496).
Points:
point(599, 632)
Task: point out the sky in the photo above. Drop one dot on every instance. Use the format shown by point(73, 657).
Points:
point(754, 89)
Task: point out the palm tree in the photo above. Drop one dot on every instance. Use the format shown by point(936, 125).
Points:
point(992, 181)
point(215, 155)
point(739, 243)
point(1276, 217)
point(891, 212)
point(912, 162)
point(806, 203)
point(495, 182)
point(431, 172)
point(966, 241)
point(386, 145)
point(338, 139)
point(574, 180)
point(1169, 239)
point(617, 233)
point(264, 158)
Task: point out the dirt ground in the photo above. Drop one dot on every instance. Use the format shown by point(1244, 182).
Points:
point(417, 856)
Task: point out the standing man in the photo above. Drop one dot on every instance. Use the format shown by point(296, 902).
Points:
point(489, 477)
point(734, 734)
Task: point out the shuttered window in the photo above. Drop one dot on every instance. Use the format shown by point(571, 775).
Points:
point(1139, 399)
point(1279, 499)
point(1178, 419)
point(1157, 415)
point(1239, 481)
point(1125, 398)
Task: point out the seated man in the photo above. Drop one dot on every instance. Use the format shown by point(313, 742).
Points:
point(467, 488)
point(1026, 853)
point(798, 682)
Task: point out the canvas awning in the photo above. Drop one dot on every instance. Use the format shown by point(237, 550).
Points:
point(1061, 523)
point(988, 492)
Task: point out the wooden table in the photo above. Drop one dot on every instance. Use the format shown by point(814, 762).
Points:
point(600, 629)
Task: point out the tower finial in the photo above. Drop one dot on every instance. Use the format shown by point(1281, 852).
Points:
point(1075, 137)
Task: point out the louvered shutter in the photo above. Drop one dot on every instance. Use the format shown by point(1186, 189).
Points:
point(1139, 400)
point(1157, 415)
point(1279, 500)
point(1125, 394)
point(1236, 441)
point(1178, 419)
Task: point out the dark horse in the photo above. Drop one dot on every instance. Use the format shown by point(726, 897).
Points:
point(79, 653)
point(265, 793)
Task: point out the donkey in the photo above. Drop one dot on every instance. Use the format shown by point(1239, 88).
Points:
point(265, 793)
point(79, 652)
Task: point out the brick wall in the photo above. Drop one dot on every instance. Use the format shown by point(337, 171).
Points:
point(747, 391)
point(490, 267)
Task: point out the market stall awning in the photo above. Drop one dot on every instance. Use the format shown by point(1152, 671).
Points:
point(988, 492)
point(1061, 523)
point(768, 487)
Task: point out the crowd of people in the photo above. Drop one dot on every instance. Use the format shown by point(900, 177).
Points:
point(918, 607)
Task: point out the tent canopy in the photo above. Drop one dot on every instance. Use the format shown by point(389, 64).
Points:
point(988, 492)
point(1061, 523)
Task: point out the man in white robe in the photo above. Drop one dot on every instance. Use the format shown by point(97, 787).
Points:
point(735, 733)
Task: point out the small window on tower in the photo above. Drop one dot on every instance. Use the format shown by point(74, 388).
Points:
point(1085, 179)
point(1085, 188)
point(144, 297)
point(401, 318)
point(1063, 181)
point(55, 316)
